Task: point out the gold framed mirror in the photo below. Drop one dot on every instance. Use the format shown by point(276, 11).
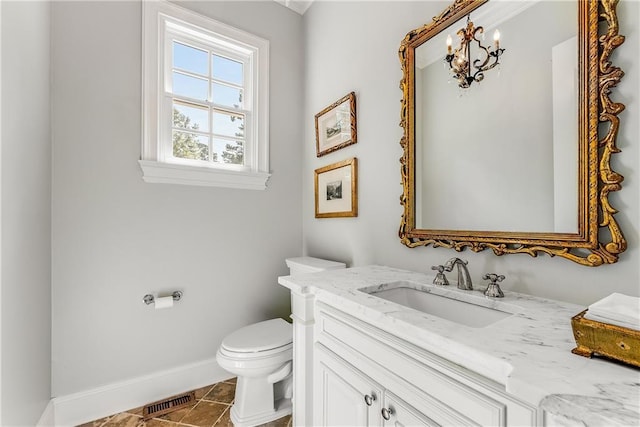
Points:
point(517, 160)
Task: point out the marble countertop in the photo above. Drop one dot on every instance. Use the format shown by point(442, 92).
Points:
point(528, 352)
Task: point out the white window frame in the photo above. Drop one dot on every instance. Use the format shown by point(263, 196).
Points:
point(162, 22)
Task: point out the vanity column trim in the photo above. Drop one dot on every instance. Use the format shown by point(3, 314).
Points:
point(303, 321)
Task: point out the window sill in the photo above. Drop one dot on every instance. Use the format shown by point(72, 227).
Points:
point(167, 173)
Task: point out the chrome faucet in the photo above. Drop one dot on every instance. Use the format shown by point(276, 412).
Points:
point(464, 279)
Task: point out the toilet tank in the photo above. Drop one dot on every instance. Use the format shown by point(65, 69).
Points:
point(307, 264)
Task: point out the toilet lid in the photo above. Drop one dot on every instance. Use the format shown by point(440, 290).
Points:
point(260, 336)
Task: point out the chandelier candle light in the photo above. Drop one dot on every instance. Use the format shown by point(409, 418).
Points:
point(460, 59)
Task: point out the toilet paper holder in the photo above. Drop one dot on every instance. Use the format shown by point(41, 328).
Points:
point(150, 299)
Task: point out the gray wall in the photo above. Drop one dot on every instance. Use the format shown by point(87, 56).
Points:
point(25, 278)
point(358, 51)
point(116, 238)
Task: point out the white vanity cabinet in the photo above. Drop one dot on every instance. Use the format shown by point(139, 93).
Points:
point(401, 414)
point(351, 398)
point(350, 345)
point(344, 396)
point(360, 375)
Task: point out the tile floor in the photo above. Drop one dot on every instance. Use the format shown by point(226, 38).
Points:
point(211, 409)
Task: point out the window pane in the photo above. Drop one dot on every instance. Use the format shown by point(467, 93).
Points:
point(228, 151)
point(226, 95)
point(191, 87)
point(227, 70)
point(190, 146)
point(190, 117)
point(190, 59)
point(228, 124)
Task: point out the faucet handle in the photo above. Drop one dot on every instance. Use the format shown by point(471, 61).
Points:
point(493, 289)
point(440, 279)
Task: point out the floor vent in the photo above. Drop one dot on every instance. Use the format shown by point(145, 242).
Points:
point(170, 404)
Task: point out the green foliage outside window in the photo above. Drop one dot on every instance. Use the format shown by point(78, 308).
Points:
point(186, 145)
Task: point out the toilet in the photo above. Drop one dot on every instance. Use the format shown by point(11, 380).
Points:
point(260, 355)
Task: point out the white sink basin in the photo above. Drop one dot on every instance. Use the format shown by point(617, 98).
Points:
point(427, 301)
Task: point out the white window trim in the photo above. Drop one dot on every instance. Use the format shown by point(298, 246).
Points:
point(157, 15)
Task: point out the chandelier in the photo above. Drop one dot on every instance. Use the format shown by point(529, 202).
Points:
point(463, 70)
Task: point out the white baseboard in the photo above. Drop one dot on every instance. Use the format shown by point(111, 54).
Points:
point(89, 405)
point(48, 417)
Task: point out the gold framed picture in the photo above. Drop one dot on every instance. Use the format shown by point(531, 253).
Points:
point(336, 189)
point(336, 125)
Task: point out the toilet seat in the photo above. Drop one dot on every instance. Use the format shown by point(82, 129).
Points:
point(244, 355)
point(270, 336)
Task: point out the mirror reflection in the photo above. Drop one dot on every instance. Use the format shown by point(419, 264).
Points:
point(520, 161)
point(501, 154)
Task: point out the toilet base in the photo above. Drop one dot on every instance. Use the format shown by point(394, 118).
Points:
point(282, 409)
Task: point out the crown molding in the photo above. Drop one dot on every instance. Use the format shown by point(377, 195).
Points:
point(298, 6)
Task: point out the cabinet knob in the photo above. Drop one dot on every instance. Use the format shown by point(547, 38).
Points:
point(386, 413)
point(369, 399)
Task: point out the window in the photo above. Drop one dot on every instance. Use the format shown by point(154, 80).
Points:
point(205, 101)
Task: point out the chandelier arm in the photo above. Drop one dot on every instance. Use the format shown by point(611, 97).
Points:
point(479, 63)
point(478, 76)
point(488, 67)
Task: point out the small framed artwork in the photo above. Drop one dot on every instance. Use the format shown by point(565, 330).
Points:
point(336, 125)
point(336, 188)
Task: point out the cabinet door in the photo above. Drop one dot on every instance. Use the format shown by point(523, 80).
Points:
point(397, 413)
point(343, 395)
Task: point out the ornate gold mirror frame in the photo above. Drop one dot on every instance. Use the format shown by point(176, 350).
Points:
point(599, 239)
